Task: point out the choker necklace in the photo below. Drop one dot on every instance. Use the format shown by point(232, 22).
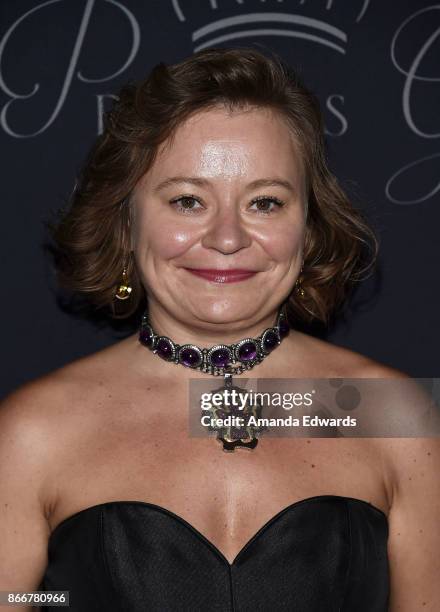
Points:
point(222, 360)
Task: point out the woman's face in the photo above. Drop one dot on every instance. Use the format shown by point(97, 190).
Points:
point(210, 201)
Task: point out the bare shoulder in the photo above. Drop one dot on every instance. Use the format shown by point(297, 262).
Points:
point(39, 419)
point(394, 404)
point(27, 435)
point(406, 454)
point(405, 413)
point(329, 360)
point(41, 423)
point(30, 409)
point(54, 393)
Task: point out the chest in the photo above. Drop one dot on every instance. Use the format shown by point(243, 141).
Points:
point(130, 454)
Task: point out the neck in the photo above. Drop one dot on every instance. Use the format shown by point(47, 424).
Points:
point(205, 333)
point(238, 353)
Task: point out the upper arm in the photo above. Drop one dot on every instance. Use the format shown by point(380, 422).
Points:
point(414, 536)
point(24, 530)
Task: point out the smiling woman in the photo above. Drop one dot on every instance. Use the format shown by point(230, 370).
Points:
point(207, 205)
point(247, 130)
point(234, 226)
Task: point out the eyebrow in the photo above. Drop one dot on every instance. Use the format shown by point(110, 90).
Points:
point(202, 182)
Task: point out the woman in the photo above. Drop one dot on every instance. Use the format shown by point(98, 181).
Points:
point(208, 199)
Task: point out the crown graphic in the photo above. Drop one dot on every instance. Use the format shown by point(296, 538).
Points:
point(255, 18)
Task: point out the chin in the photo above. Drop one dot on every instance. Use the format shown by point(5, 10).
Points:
point(229, 315)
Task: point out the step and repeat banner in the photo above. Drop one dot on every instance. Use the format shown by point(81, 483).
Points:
point(375, 69)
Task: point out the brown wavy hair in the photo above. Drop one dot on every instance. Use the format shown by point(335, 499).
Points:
point(91, 236)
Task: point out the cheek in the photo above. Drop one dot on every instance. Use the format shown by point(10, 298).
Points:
point(283, 242)
point(164, 239)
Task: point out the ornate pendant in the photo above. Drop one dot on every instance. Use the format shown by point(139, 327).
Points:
point(233, 429)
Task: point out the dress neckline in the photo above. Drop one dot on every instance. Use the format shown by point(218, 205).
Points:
point(200, 536)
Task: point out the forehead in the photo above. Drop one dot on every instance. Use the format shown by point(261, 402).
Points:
point(228, 143)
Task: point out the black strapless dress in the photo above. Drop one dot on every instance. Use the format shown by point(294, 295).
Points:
point(322, 554)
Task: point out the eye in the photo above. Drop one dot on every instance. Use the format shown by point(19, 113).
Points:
point(184, 204)
point(264, 200)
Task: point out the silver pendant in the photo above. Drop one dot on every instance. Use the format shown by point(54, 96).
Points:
point(237, 433)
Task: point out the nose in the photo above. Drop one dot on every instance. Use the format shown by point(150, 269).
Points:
point(226, 232)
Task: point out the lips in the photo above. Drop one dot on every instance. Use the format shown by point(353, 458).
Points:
point(222, 276)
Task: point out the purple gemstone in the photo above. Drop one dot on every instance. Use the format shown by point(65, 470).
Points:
point(283, 327)
point(165, 349)
point(189, 357)
point(146, 336)
point(220, 358)
point(247, 351)
point(270, 341)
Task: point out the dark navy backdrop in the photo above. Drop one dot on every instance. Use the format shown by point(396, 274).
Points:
point(374, 66)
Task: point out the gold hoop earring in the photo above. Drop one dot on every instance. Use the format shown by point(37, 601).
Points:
point(124, 290)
